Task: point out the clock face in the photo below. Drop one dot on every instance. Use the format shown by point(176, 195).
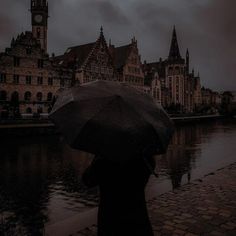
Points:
point(38, 18)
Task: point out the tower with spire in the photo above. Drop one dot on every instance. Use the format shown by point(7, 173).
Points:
point(174, 53)
point(175, 72)
point(39, 21)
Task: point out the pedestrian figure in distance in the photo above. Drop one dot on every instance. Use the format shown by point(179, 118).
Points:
point(122, 208)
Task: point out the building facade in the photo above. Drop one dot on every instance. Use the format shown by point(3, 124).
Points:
point(29, 80)
point(88, 62)
point(180, 89)
point(128, 65)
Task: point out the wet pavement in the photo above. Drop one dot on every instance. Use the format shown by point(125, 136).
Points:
point(206, 206)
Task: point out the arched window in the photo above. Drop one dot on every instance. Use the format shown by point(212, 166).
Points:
point(49, 97)
point(39, 96)
point(15, 97)
point(170, 71)
point(28, 110)
point(27, 96)
point(38, 32)
point(177, 70)
point(3, 95)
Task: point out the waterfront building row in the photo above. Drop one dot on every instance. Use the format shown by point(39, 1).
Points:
point(30, 79)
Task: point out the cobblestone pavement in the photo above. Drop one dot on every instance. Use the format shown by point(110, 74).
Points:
point(205, 207)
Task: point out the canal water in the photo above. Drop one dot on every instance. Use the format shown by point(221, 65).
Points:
point(40, 178)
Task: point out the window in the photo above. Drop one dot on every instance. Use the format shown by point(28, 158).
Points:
point(62, 82)
point(28, 50)
point(3, 77)
point(15, 97)
point(38, 32)
point(16, 79)
point(40, 63)
point(50, 81)
point(27, 96)
point(28, 79)
point(28, 110)
point(39, 96)
point(40, 80)
point(40, 110)
point(3, 95)
point(177, 70)
point(49, 97)
point(170, 71)
point(16, 61)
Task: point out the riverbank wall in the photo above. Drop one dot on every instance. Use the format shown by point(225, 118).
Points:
point(46, 127)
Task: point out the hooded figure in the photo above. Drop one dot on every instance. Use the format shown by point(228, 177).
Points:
point(122, 208)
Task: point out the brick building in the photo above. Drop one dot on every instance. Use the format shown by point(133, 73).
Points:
point(28, 78)
point(180, 89)
point(89, 62)
point(128, 65)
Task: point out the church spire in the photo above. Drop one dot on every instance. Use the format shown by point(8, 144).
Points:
point(174, 53)
point(187, 61)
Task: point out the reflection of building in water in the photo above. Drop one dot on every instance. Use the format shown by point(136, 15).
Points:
point(179, 158)
point(186, 135)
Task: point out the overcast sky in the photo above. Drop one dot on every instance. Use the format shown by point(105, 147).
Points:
point(206, 27)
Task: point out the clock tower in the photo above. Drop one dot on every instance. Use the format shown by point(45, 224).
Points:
point(39, 12)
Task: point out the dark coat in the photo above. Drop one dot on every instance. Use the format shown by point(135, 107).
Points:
point(122, 207)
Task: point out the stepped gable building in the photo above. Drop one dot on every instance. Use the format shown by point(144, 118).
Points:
point(128, 65)
point(89, 62)
point(28, 79)
point(178, 86)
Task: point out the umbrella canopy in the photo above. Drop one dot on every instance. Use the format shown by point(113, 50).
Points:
point(112, 120)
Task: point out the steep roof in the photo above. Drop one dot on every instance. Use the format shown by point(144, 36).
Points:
point(77, 54)
point(156, 67)
point(121, 55)
point(174, 54)
point(27, 39)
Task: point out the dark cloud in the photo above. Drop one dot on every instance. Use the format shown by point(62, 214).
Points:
point(206, 27)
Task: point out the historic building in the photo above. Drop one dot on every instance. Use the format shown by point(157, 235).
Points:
point(152, 84)
point(128, 65)
point(211, 98)
point(98, 61)
point(88, 62)
point(28, 78)
point(180, 89)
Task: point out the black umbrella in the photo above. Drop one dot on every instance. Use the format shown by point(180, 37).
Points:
point(112, 120)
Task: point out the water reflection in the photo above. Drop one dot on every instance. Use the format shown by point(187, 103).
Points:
point(195, 149)
point(40, 178)
point(35, 174)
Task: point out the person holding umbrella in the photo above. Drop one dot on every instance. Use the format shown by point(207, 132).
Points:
point(124, 128)
point(122, 207)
